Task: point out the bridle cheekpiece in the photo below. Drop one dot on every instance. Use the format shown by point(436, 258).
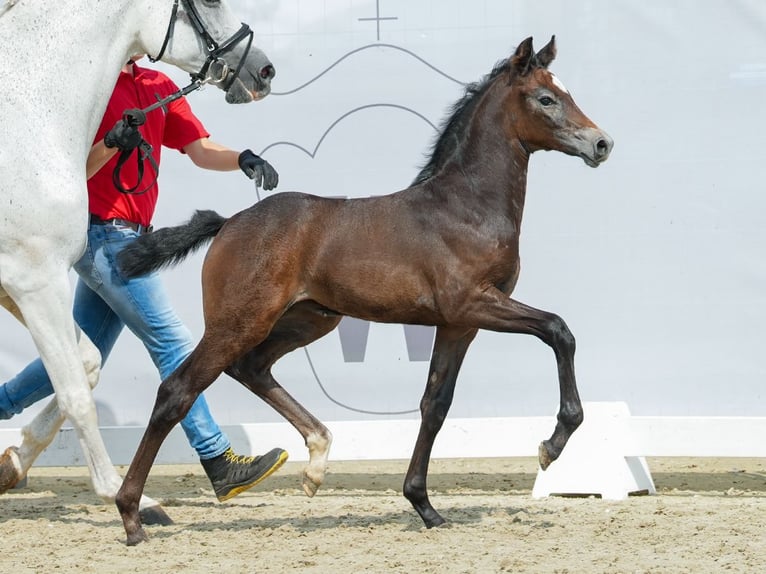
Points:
point(214, 49)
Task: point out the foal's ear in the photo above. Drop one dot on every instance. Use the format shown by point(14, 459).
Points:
point(524, 59)
point(548, 53)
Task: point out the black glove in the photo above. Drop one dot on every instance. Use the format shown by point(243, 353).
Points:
point(258, 169)
point(125, 135)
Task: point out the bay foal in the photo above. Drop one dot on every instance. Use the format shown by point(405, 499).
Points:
point(443, 252)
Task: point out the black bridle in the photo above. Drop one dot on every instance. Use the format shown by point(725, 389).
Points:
point(225, 80)
point(214, 49)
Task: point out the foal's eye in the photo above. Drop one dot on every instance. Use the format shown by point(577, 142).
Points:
point(546, 100)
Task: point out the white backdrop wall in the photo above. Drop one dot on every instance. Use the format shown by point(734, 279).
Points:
point(655, 260)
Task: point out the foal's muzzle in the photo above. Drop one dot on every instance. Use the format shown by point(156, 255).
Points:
point(597, 149)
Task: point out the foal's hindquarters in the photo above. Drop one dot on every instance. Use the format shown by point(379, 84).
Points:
point(246, 349)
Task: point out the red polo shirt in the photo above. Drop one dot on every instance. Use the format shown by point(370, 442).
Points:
point(173, 126)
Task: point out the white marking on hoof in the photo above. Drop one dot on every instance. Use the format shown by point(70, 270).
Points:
point(319, 449)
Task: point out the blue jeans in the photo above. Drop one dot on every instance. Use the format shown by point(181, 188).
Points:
point(104, 303)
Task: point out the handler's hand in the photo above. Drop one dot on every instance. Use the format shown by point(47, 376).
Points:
point(124, 136)
point(258, 169)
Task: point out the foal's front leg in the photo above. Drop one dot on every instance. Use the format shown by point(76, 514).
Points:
point(449, 351)
point(493, 310)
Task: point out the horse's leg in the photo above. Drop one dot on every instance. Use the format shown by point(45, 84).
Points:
point(175, 396)
point(317, 437)
point(39, 433)
point(493, 310)
point(300, 326)
point(69, 364)
point(49, 320)
point(10, 305)
point(450, 346)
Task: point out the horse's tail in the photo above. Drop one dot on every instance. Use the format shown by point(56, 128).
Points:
point(170, 245)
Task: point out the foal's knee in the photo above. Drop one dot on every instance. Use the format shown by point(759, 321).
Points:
point(559, 336)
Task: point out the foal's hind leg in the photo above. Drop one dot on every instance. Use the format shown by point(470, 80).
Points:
point(300, 326)
point(175, 397)
point(449, 351)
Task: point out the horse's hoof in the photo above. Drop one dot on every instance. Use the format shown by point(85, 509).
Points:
point(153, 515)
point(436, 521)
point(441, 524)
point(545, 456)
point(309, 487)
point(137, 537)
point(10, 469)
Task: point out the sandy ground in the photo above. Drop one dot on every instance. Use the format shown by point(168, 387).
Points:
point(709, 516)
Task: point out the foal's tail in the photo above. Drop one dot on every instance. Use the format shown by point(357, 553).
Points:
point(170, 245)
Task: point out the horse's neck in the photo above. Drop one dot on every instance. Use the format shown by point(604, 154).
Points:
point(490, 171)
point(60, 67)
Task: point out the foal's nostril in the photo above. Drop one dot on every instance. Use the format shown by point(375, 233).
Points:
point(268, 72)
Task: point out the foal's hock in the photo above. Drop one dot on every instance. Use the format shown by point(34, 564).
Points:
point(443, 252)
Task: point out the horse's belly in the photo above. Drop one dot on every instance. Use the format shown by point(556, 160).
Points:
point(43, 218)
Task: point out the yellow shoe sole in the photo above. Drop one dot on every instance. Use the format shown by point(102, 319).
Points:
point(240, 489)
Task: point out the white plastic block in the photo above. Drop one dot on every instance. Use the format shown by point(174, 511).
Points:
point(595, 460)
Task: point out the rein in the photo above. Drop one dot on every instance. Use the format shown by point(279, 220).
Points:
point(136, 118)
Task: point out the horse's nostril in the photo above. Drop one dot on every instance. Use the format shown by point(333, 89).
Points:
point(267, 72)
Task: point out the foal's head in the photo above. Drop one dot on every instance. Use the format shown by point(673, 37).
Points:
point(533, 107)
point(541, 112)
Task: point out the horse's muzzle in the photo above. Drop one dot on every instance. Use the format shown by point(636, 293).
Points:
point(602, 145)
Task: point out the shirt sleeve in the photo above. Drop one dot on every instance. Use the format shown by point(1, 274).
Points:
point(182, 127)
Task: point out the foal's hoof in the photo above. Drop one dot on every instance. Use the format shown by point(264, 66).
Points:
point(153, 515)
point(10, 469)
point(545, 454)
point(137, 537)
point(438, 522)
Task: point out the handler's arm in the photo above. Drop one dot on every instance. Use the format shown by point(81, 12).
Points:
point(208, 154)
point(98, 157)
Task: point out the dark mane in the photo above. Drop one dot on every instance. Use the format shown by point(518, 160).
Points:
point(450, 138)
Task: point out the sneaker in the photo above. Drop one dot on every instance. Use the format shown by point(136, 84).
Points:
point(232, 474)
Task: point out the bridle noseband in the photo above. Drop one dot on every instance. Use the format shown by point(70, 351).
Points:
point(214, 50)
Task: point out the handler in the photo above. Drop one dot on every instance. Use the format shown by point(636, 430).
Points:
point(105, 301)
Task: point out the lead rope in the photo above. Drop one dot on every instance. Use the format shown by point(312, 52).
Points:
point(257, 191)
